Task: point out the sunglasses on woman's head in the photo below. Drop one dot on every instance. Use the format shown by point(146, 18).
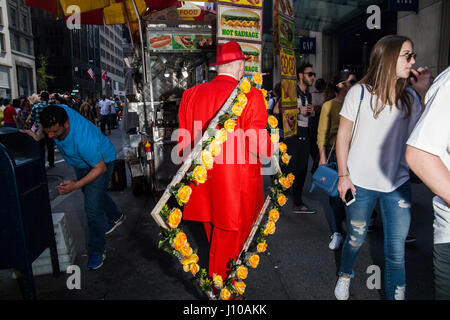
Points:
point(409, 56)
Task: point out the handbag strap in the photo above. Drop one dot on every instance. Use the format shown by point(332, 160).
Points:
point(357, 116)
point(354, 125)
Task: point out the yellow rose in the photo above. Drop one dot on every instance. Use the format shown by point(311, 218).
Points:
point(193, 258)
point(246, 86)
point(283, 147)
point(242, 99)
point(200, 174)
point(218, 281)
point(229, 125)
point(186, 268)
point(275, 138)
point(285, 182)
point(214, 148)
point(186, 250)
point(184, 194)
point(221, 136)
point(273, 122)
point(257, 78)
point(274, 215)
point(242, 272)
point(291, 178)
point(180, 240)
point(174, 218)
point(240, 287)
point(195, 268)
point(264, 93)
point(285, 158)
point(270, 228)
point(254, 261)
point(237, 109)
point(282, 200)
point(225, 294)
point(261, 247)
point(207, 159)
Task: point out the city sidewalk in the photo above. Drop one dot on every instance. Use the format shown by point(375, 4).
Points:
point(297, 265)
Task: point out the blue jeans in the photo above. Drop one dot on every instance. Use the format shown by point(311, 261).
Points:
point(336, 214)
point(97, 204)
point(396, 218)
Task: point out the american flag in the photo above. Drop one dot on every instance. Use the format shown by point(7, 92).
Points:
point(91, 73)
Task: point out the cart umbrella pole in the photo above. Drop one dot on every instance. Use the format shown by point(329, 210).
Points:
point(147, 77)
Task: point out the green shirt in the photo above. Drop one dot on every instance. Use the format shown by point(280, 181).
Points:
point(328, 123)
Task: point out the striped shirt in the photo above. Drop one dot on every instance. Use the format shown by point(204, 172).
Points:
point(35, 112)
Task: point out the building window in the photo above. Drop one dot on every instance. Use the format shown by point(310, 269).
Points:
point(24, 81)
point(2, 43)
point(25, 22)
point(13, 17)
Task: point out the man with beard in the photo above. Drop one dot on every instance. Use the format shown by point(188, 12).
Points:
point(299, 145)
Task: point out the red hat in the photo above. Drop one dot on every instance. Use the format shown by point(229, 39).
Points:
point(229, 52)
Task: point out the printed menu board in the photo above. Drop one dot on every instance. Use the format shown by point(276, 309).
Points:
point(289, 92)
point(253, 52)
point(180, 41)
point(287, 62)
point(286, 7)
point(286, 32)
point(289, 121)
point(252, 3)
point(236, 23)
point(284, 46)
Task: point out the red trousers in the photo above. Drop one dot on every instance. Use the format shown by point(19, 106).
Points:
point(224, 246)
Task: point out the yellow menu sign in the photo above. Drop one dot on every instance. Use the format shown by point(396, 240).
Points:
point(252, 3)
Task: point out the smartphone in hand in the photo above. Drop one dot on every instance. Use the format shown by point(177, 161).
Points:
point(412, 75)
point(349, 197)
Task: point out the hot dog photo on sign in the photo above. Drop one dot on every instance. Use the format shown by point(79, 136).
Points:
point(253, 3)
point(286, 7)
point(160, 41)
point(239, 23)
point(252, 51)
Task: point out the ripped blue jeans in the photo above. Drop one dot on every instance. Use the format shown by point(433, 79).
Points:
point(395, 210)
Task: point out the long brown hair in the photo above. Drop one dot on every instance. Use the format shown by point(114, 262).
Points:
point(382, 75)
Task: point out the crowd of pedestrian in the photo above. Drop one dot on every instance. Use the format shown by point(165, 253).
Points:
point(361, 129)
point(23, 113)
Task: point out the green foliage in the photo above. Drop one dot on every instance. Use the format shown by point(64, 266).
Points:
point(41, 74)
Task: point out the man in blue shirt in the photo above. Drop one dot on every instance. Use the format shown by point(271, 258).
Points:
point(92, 155)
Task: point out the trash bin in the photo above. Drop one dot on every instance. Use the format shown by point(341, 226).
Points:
point(27, 228)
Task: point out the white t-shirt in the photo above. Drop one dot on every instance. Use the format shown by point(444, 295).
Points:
point(104, 106)
point(432, 134)
point(376, 160)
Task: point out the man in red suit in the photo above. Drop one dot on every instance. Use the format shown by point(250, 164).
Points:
point(233, 195)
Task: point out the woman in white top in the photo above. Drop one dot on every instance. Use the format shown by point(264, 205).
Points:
point(371, 159)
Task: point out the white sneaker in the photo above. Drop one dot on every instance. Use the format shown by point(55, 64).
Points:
point(342, 288)
point(336, 240)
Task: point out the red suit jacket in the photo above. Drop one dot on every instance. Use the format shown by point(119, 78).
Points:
point(233, 194)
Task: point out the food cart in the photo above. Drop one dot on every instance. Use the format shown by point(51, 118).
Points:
point(177, 54)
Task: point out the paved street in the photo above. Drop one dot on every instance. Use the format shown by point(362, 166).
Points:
point(297, 266)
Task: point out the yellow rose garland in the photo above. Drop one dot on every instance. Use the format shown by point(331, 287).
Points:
point(188, 258)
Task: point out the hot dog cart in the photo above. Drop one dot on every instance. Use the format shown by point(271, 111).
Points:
point(177, 56)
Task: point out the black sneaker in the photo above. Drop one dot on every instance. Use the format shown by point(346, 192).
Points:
point(410, 239)
point(110, 227)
